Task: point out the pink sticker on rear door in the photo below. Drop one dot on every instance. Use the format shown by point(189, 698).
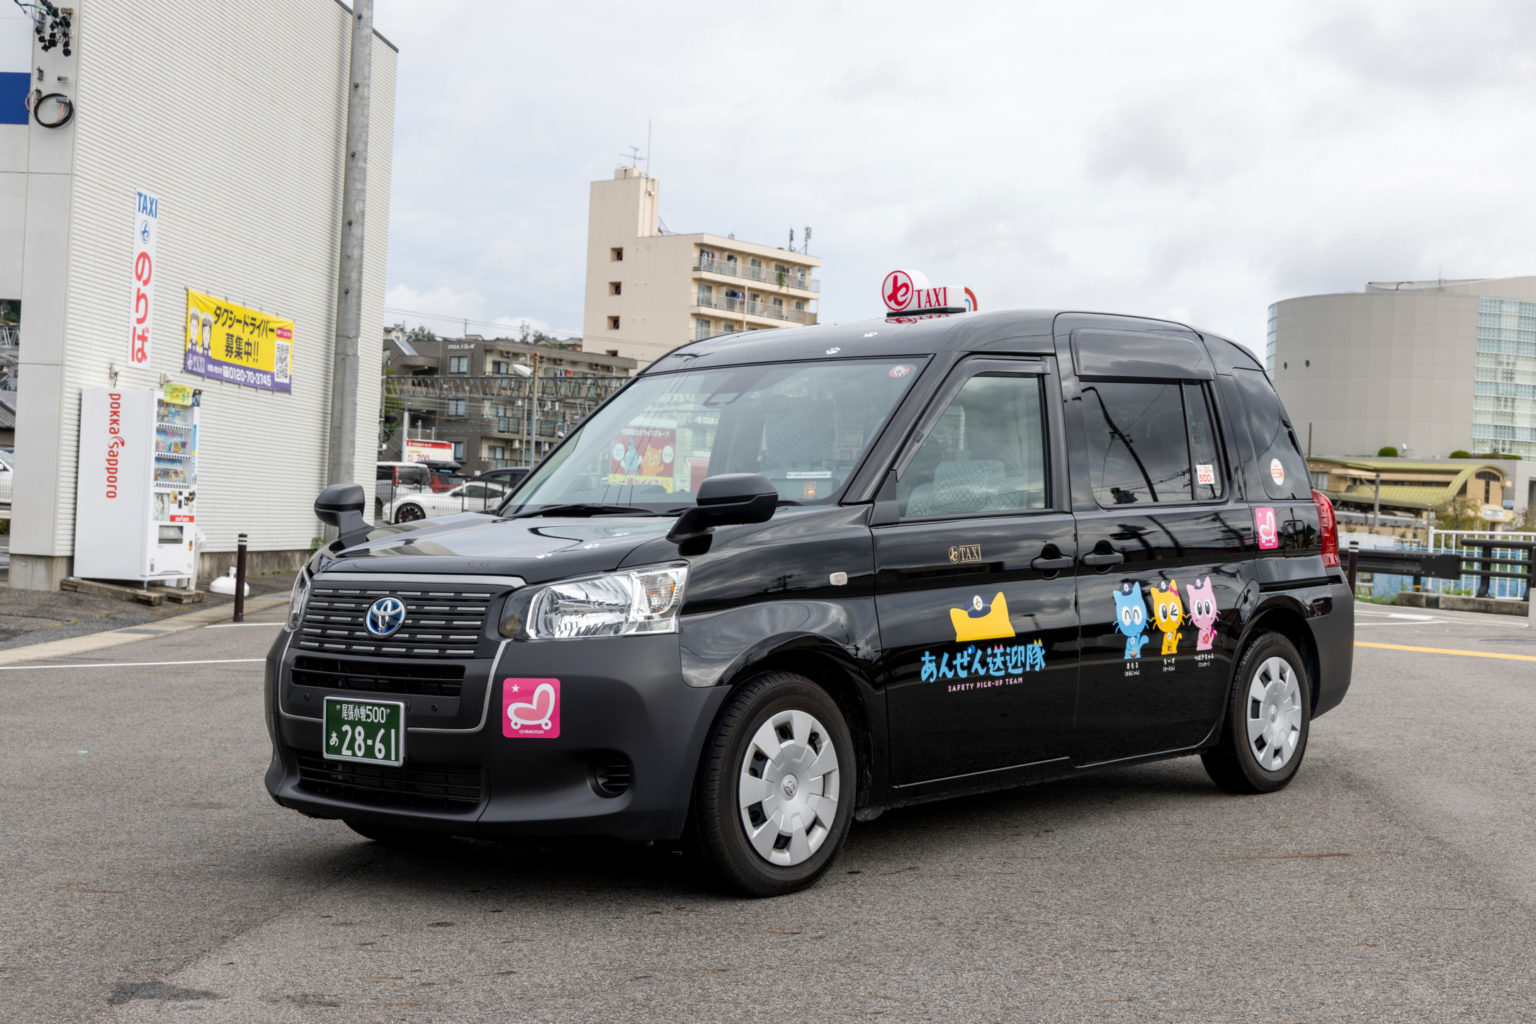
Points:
point(530, 708)
point(1269, 534)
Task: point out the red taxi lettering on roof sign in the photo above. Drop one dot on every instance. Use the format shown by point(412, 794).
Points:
point(908, 291)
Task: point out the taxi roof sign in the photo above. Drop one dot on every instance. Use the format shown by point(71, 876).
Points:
point(908, 292)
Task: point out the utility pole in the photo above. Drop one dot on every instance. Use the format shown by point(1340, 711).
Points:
point(349, 283)
point(533, 429)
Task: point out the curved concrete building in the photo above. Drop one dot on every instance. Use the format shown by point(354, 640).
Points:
point(1427, 367)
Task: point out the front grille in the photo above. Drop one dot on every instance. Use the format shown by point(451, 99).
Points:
point(440, 622)
point(448, 787)
point(413, 677)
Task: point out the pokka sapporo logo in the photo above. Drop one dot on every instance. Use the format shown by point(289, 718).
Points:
point(979, 665)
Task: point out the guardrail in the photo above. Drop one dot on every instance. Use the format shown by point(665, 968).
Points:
point(1522, 556)
point(1399, 562)
point(1496, 565)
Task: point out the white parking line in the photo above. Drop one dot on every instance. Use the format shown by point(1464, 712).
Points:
point(232, 625)
point(134, 664)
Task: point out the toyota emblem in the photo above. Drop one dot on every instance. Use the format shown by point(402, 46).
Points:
point(386, 616)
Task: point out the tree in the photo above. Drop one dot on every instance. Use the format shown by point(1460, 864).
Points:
point(419, 334)
point(1387, 452)
point(1460, 514)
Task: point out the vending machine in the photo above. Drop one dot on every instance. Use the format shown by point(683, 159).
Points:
point(136, 499)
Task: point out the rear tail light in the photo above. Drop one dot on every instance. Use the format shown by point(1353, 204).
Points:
point(1328, 526)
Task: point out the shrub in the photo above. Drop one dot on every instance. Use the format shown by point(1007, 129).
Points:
point(1387, 452)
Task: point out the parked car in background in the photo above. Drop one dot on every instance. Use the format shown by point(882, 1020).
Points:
point(445, 475)
point(394, 479)
point(508, 477)
point(7, 471)
point(474, 496)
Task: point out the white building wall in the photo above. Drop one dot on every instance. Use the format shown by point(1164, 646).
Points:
point(236, 119)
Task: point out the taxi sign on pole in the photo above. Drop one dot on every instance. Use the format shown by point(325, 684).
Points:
point(146, 217)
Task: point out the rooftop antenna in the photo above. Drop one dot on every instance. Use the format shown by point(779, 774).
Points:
point(807, 239)
point(791, 239)
point(633, 156)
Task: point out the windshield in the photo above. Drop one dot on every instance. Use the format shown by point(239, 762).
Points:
point(804, 426)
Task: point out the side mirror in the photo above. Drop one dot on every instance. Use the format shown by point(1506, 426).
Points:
point(341, 506)
point(725, 499)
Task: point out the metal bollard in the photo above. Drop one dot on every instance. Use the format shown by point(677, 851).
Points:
point(240, 578)
point(1354, 565)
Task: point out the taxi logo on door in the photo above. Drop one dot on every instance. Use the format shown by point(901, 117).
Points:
point(964, 553)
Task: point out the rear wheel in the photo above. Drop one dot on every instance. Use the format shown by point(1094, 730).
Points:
point(1268, 719)
point(775, 792)
point(409, 513)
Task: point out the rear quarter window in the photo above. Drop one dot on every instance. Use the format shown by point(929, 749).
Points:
point(1277, 468)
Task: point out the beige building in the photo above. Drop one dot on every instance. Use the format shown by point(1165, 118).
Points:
point(1414, 488)
point(649, 291)
point(1427, 367)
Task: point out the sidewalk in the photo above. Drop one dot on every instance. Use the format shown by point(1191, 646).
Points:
point(29, 617)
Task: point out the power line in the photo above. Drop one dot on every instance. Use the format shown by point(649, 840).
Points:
point(500, 324)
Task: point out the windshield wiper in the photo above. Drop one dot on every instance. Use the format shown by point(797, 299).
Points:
point(584, 509)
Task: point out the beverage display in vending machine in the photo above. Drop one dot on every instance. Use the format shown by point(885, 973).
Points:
point(136, 498)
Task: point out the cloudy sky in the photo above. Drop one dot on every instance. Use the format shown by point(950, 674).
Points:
point(1190, 160)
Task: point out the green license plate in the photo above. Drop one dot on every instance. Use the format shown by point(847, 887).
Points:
point(369, 731)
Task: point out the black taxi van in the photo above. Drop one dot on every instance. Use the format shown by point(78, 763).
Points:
point(785, 579)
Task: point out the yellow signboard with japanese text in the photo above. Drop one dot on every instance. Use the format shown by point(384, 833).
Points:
point(237, 344)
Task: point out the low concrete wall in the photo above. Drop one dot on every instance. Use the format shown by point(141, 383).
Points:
point(218, 563)
point(1455, 603)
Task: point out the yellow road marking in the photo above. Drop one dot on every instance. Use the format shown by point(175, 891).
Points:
point(1447, 650)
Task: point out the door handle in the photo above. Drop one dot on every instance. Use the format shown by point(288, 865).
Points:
point(1044, 564)
point(1102, 559)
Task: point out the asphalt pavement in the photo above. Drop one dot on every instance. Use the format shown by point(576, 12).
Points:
point(148, 877)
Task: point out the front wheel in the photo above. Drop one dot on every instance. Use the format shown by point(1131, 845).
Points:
point(409, 514)
point(1268, 719)
point(775, 792)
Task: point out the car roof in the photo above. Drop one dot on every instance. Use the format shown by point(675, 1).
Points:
point(1019, 331)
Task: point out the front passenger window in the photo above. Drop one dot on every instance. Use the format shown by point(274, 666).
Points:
point(984, 455)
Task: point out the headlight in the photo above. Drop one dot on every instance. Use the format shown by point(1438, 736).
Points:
point(614, 604)
point(297, 599)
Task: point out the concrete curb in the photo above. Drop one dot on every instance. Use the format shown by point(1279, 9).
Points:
point(128, 634)
point(1458, 603)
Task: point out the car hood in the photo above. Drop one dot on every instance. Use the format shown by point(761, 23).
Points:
point(536, 549)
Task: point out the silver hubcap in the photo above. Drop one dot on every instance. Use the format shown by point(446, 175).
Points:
point(788, 788)
point(1274, 714)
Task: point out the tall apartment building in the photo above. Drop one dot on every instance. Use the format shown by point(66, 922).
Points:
point(474, 393)
point(1427, 367)
point(649, 291)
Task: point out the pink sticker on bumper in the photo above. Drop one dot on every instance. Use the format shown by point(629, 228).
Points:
point(530, 708)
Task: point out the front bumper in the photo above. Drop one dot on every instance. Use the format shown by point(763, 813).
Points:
point(622, 703)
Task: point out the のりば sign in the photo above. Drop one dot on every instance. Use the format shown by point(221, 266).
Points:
point(146, 216)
